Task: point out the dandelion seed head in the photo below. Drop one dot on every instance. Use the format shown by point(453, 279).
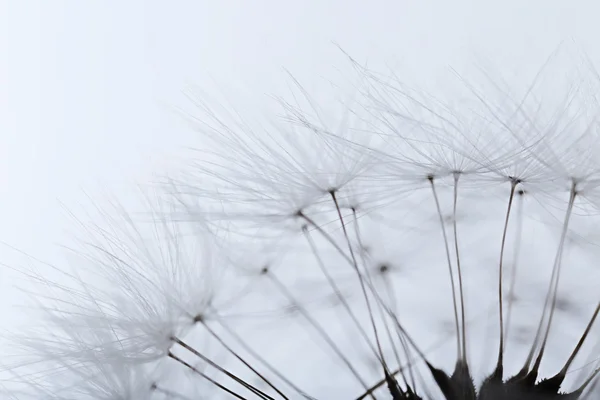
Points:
point(430, 248)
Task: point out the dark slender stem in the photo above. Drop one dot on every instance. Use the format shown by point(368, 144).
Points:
point(318, 328)
point(581, 341)
point(223, 370)
point(337, 291)
point(585, 384)
point(408, 364)
point(203, 375)
point(500, 361)
point(556, 275)
point(441, 218)
point(254, 354)
point(236, 355)
point(361, 280)
point(459, 270)
point(513, 271)
point(389, 292)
